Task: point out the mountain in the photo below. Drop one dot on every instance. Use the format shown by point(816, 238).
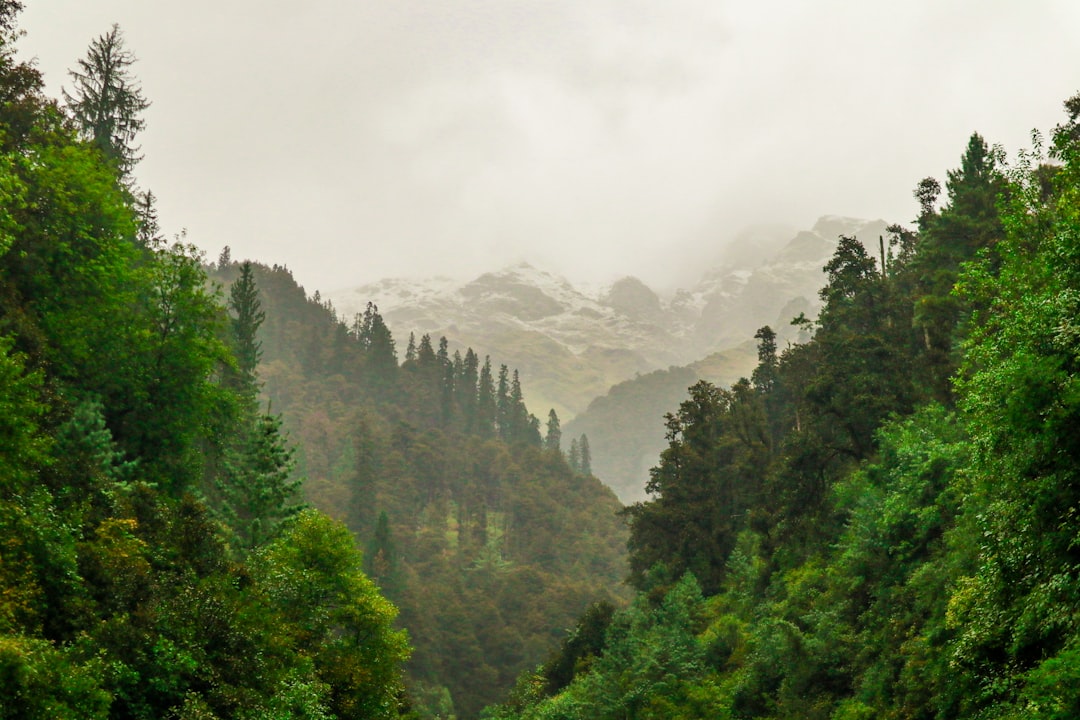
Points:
point(573, 345)
point(625, 426)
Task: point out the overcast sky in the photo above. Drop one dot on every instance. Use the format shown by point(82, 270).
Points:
point(357, 139)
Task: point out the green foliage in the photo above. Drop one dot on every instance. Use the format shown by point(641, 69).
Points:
point(908, 544)
point(334, 613)
point(107, 101)
point(119, 596)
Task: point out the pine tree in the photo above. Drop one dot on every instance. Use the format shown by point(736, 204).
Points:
point(503, 409)
point(425, 353)
point(485, 401)
point(553, 439)
point(465, 389)
point(381, 559)
point(380, 359)
point(520, 425)
point(573, 456)
point(149, 232)
point(248, 317)
point(764, 376)
point(107, 102)
point(258, 492)
point(584, 456)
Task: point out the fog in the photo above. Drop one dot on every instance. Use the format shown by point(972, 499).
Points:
point(596, 138)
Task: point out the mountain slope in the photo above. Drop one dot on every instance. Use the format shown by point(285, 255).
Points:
point(572, 345)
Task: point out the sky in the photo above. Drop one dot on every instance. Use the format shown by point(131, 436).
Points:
point(352, 140)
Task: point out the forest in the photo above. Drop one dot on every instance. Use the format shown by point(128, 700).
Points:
point(882, 521)
point(218, 499)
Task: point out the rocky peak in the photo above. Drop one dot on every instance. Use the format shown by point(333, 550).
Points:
point(634, 299)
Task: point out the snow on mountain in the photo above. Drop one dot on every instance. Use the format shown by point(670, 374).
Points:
point(572, 344)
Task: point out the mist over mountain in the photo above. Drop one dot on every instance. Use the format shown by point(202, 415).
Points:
point(611, 360)
point(572, 343)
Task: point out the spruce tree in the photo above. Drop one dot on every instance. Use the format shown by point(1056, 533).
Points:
point(485, 401)
point(247, 317)
point(106, 101)
point(465, 389)
point(553, 439)
point(503, 409)
point(584, 456)
point(573, 456)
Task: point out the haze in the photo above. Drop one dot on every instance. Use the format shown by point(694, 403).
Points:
point(596, 138)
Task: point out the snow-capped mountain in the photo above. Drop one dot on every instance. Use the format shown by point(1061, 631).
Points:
point(571, 345)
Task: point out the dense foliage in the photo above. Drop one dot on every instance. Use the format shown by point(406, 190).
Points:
point(490, 538)
point(882, 522)
point(153, 559)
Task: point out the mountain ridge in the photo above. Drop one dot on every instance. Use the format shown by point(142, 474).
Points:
point(572, 344)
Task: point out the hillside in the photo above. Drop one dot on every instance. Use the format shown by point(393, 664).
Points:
point(489, 543)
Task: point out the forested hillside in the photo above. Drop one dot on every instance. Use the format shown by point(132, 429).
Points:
point(154, 559)
point(880, 522)
point(472, 519)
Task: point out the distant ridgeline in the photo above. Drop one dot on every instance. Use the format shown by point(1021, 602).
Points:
point(488, 537)
point(612, 361)
point(881, 522)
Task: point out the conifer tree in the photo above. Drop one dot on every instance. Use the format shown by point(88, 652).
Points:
point(584, 456)
point(425, 353)
point(381, 559)
point(764, 376)
point(573, 456)
point(380, 359)
point(503, 409)
point(553, 439)
point(465, 389)
point(485, 401)
point(259, 492)
point(248, 316)
point(106, 100)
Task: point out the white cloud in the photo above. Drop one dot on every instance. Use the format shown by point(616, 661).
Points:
point(597, 137)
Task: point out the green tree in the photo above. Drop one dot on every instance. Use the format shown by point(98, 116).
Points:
point(106, 100)
point(334, 613)
point(553, 438)
point(246, 320)
point(486, 404)
point(259, 492)
point(584, 455)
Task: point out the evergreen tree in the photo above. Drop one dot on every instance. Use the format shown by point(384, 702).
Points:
point(465, 388)
point(149, 233)
point(553, 439)
point(107, 102)
point(381, 559)
point(425, 353)
point(504, 410)
point(584, 455)
point(486, 405)
point(764, 376)
point(520, 424)
point(377, 344)
point(259, 492)
point(247, 318)
point(573, 456)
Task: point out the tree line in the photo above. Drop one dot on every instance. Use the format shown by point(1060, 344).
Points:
point(881, 521)
point(155, 557)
